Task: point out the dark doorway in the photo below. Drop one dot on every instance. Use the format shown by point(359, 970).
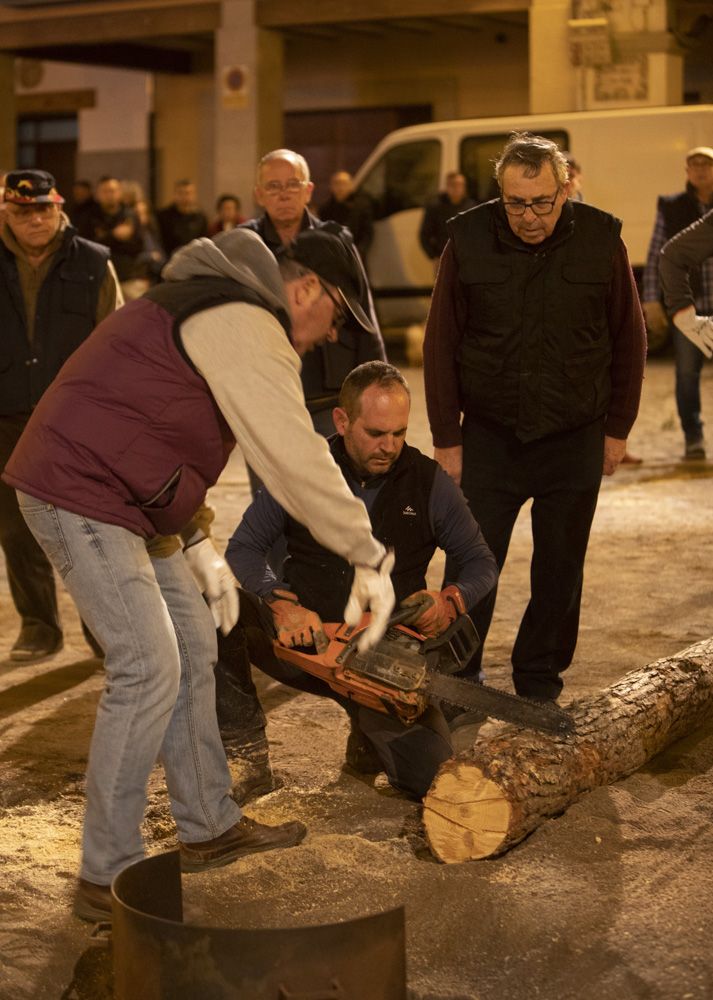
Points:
point(342, 140)
point(49, 143)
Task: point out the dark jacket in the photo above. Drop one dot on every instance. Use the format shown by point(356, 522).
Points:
point(323, 580)
point(679, 211)
point(325, 368)
point(354, 212)
point(98, 226)
point(65, 316)
point(130, 433)
point(434, 231)
point(179, 228)
point(536, 354)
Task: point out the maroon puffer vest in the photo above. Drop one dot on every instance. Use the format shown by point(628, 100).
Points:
point(128, 433)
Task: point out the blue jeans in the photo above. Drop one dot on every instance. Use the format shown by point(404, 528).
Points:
point(689, 362)
point(158, 702)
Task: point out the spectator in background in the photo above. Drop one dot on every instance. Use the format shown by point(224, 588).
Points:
point(182, 220)
point(433, 233)
point(349, 208)
point(147, 269)
point(575, 177)
point(229, 215)
point(283, 191)
point(674, 213)
point(82, 202)
point(54, 288)
point(115, 226)
point(680, 257)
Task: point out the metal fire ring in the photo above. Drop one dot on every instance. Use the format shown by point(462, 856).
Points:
point(158, 957)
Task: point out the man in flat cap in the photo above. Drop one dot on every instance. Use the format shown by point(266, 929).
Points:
point(54, 289)
point(123, 446)
point(674, 213)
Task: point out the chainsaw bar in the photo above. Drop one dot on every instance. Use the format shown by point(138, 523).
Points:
point(499, 704)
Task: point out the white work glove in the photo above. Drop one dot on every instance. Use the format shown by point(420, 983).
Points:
point(372, 588)
point(215, 580)
point(698, 329)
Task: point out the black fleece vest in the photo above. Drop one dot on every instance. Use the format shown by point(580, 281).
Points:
point(536, 352)
point(399, 518)
point(65, 316)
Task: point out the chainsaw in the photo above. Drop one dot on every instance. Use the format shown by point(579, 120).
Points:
point(404, 672)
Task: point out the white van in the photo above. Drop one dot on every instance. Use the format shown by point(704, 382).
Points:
point(628, 159)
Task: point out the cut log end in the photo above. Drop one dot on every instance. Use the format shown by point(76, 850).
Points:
point(465, 814)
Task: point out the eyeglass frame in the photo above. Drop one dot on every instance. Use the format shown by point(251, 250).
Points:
point(524, 205)
point(293, 186)
point(340, 313)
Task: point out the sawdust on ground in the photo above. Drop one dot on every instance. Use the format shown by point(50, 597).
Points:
point(613, 898)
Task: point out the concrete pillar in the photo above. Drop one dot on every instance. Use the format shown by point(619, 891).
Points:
point(248, 98)
point(8, 125)
point(184, 135)
point(553, 79)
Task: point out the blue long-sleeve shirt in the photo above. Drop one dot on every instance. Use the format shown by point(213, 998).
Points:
point(455, 529)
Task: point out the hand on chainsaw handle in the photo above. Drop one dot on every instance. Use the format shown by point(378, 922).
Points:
point(296, 625)
point(372, 589)
point(434, 610)
point(215, 581)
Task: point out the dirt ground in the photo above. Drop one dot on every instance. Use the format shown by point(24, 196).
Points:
point(613, 898)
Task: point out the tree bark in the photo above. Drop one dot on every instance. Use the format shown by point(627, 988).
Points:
point(488, 798)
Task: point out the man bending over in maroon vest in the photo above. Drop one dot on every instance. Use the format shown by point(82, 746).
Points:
point(123, 446)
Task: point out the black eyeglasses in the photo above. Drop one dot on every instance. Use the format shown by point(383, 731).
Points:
point(340, 316)
point(292, 186)
point(540, 206)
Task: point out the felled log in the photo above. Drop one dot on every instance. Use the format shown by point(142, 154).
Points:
point(489, 797)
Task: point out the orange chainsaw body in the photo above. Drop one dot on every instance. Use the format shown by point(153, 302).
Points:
point(400, 688)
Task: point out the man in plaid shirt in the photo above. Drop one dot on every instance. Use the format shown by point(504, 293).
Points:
point(674, 213)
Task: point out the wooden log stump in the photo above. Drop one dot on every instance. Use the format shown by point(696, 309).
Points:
point(489, 797)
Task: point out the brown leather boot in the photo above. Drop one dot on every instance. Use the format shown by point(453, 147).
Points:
point(251, 769)
point(359, 754)
point(92, 902)
point(245, 837)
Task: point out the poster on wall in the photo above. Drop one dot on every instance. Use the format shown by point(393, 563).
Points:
point(627, 81)
point(234, 87)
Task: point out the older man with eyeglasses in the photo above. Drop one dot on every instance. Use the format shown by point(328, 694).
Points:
point(534, 357)
point(284, 190)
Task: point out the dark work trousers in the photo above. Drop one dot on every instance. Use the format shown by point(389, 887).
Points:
point(29, 573)
point(561, 473)
point(410, 755)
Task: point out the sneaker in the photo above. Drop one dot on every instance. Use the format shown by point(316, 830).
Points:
point(92, 902)
point(695, 449)
point(245, 837)
point(36, 642)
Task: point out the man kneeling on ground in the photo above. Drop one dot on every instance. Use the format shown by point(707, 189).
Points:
point(414, 508)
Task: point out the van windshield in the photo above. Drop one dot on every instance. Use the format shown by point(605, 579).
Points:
point(405, 177)
point(478, 154)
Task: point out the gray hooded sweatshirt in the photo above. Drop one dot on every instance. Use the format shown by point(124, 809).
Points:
point(254, 375)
